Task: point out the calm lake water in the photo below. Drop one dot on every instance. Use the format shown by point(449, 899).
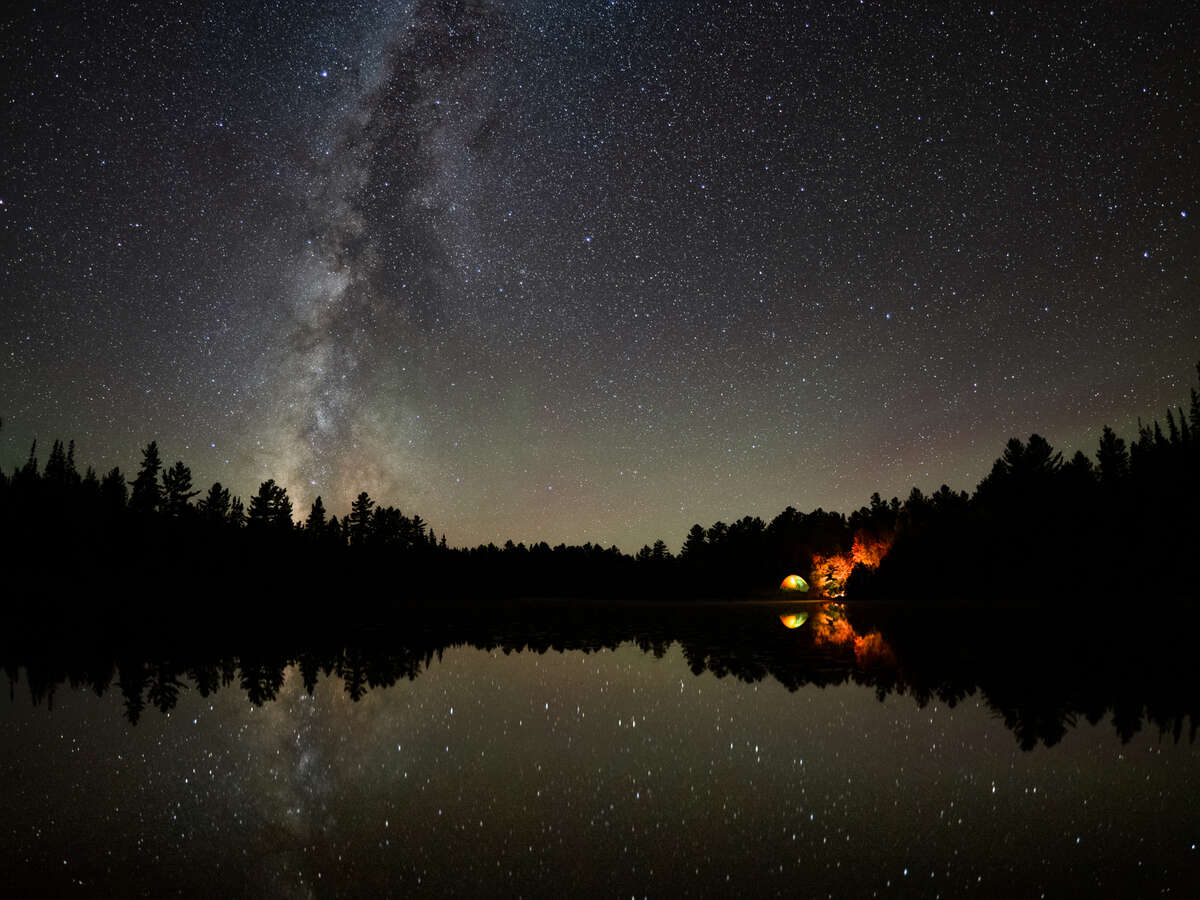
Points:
point(614, 772)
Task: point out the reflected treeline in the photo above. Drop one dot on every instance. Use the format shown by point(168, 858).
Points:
point(1039, 675)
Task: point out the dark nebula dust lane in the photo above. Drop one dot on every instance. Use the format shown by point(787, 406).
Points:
point(392, 237)
point(594, 271)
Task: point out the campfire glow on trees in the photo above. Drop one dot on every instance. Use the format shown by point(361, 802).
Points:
point(829, 573)
point(829, 622)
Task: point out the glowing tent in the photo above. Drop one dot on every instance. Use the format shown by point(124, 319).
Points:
point(794, 583)
point(795, 620)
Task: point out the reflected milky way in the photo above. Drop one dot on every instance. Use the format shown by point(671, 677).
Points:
point(617, 771)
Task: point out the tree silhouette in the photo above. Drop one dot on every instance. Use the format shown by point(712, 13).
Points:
point(146, 496)
point(1194, 409)
point(1113, 458)
point(315, 524)
point(55, 472)
point(177, 490)
point(89, 487)
point(417, 527)
point(114, 493)
point(694, 543)
point(27, 476)
point(72, 472)
point(237, 514)
point(336, 533)
point(360, 519)
point(388, 528)
point(214, 508)
point(60, 473)
point(270, 508)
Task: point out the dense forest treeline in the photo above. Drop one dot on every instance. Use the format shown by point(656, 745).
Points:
point(1036, 527)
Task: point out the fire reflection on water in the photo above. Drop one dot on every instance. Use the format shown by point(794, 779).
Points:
point(830, 626)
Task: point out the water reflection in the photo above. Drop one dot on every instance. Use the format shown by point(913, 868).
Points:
point(1040, 677)
point(702, 751)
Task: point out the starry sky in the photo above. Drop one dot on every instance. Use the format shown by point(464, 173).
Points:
point(594, 271)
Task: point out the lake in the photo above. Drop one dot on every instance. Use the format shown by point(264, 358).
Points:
point(686, 752)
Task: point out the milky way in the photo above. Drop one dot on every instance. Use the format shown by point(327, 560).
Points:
point(392, 235)
point(595, 271)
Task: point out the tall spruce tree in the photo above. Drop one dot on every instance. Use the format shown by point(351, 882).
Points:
point(146, 497)
point(360, 519)
point(55, 473)
point(177, 490)
point(73, 479)
point(315, 523)
point(114, 493)
point(1112, 458)
point(270, 507)
point(237, 513)
point(214, 507)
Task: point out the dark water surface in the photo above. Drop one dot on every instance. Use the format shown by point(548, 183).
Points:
point(674, 768)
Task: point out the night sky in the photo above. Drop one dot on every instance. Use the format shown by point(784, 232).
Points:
point(594, 271)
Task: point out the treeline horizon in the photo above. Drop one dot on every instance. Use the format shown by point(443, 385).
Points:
point(1035, 524)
